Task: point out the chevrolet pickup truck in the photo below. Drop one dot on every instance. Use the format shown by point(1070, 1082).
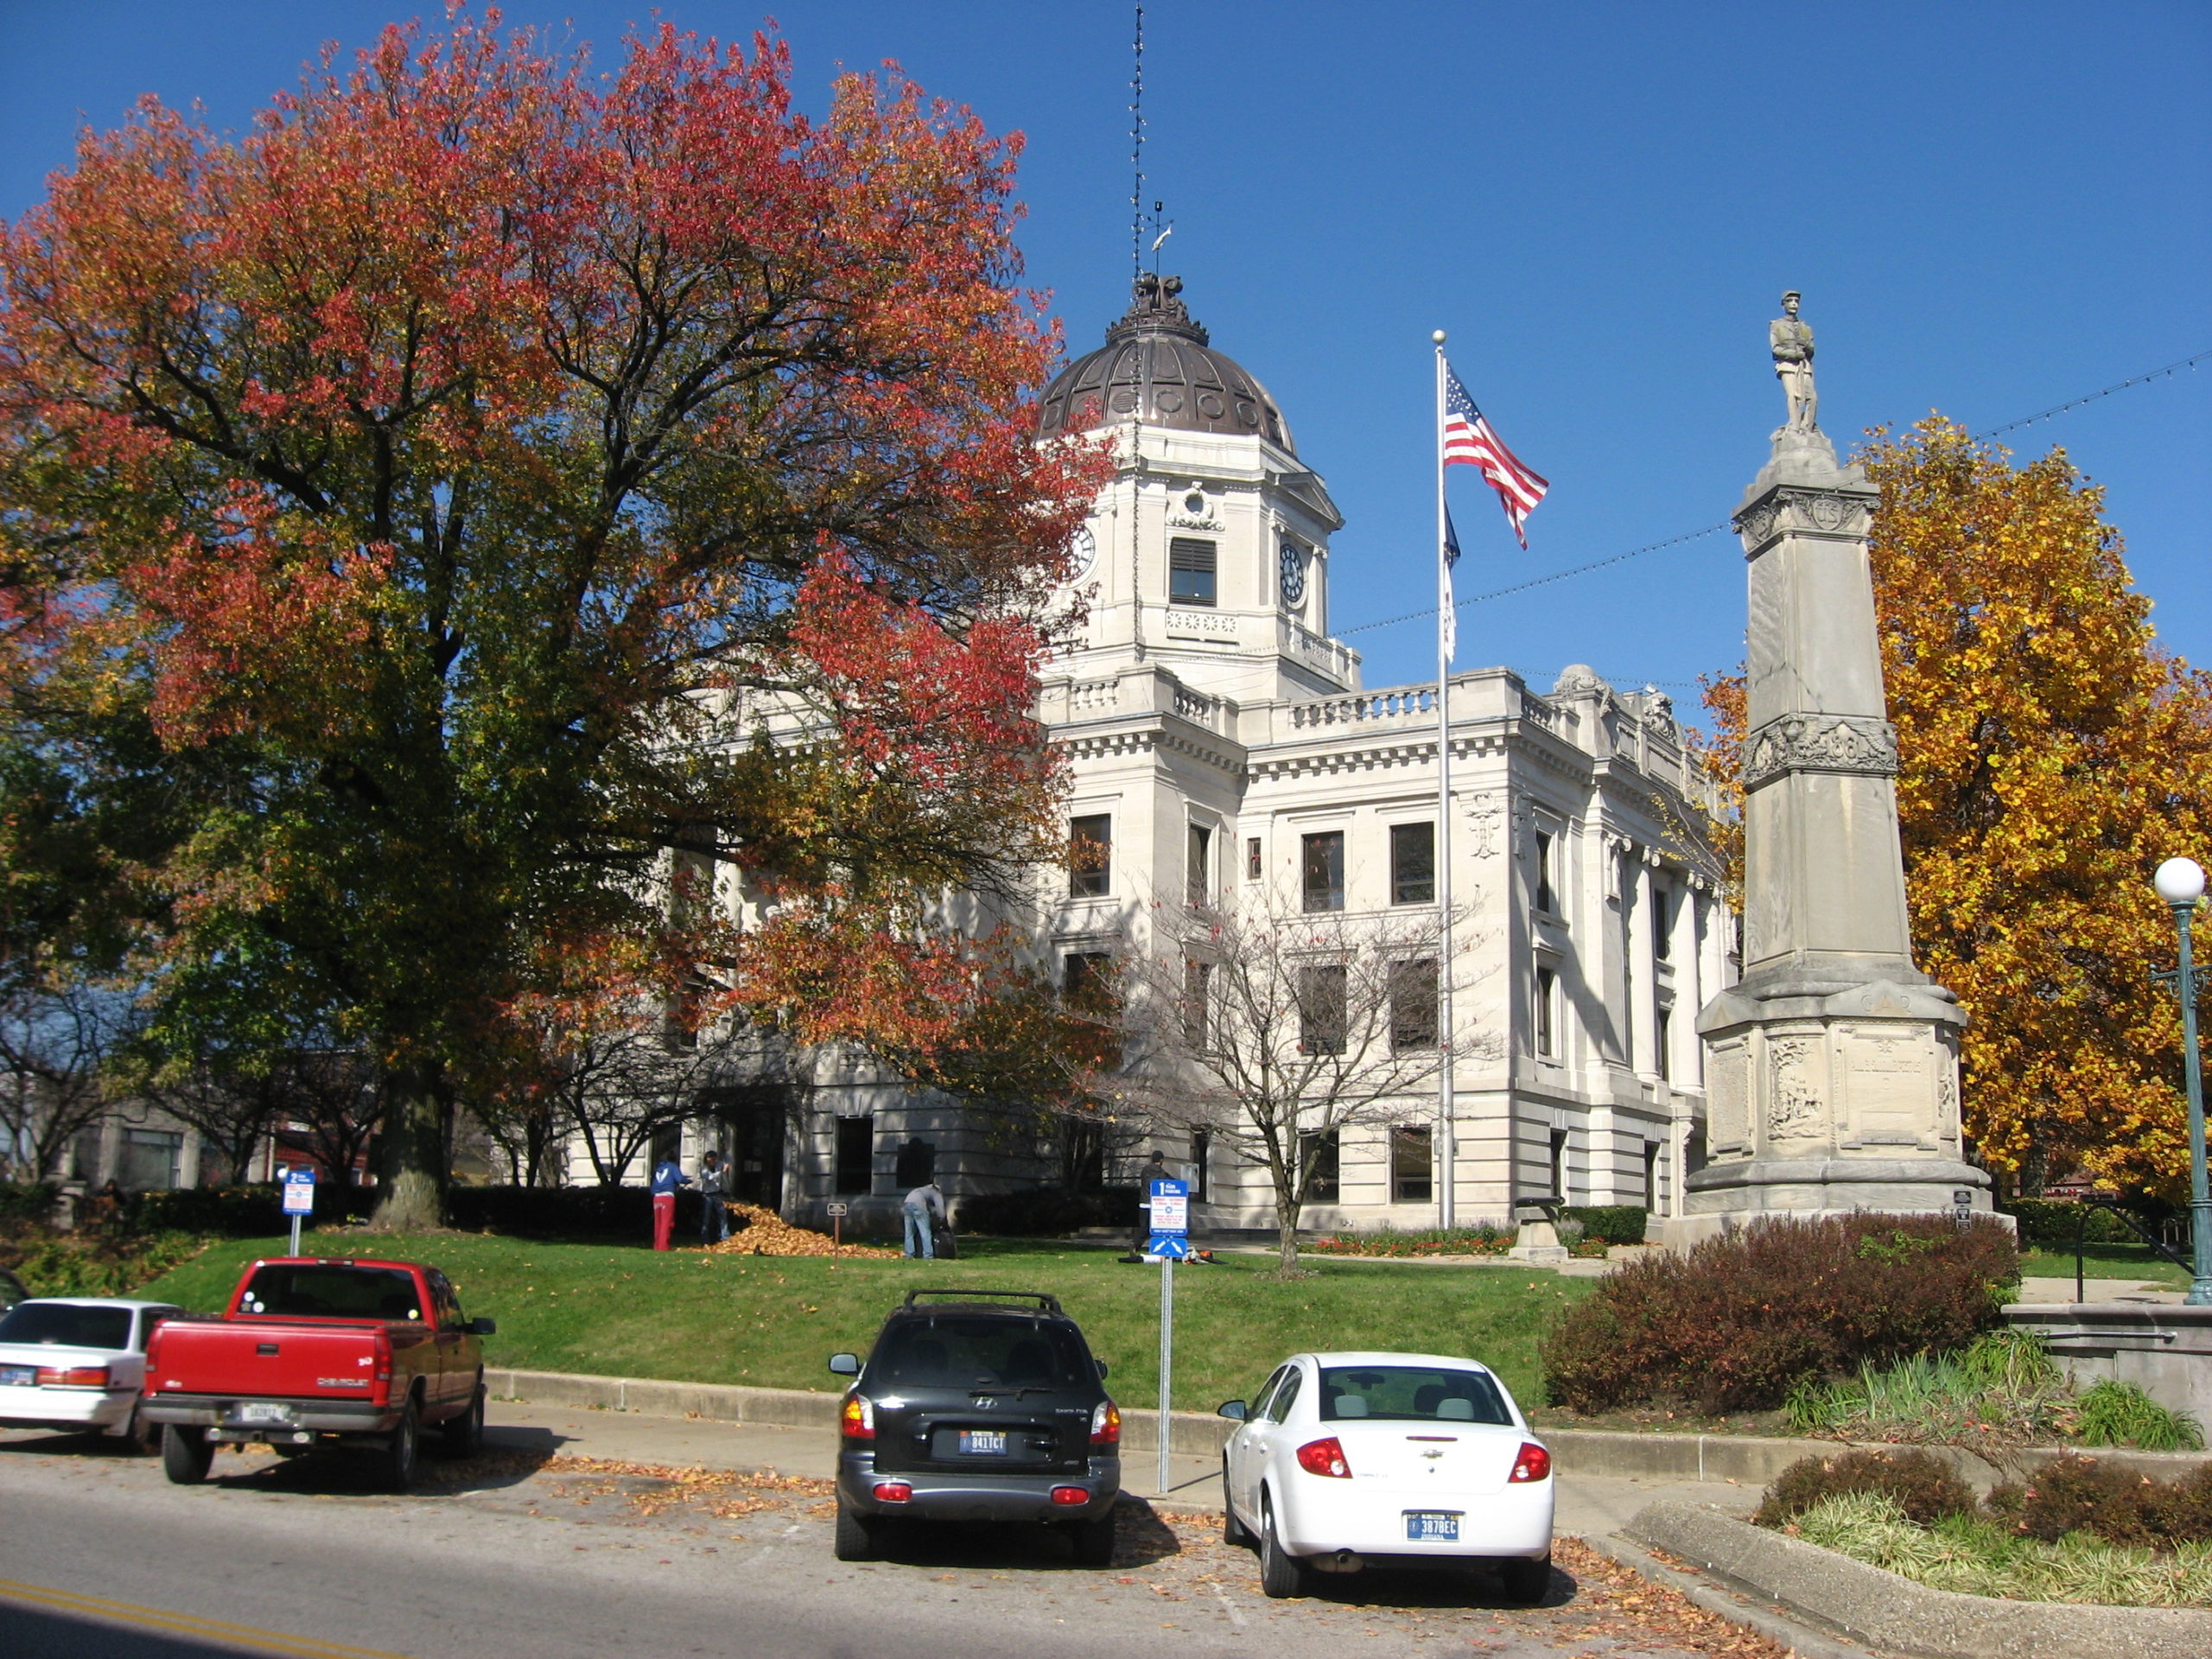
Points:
point(315, 1351)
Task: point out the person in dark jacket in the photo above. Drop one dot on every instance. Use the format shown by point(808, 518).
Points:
point(714, 1192)
point(668, 1175)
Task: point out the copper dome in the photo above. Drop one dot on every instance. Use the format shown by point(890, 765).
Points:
point(1156, 363)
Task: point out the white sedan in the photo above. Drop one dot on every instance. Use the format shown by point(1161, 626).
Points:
point(1344, 1461)
point(76, 1362)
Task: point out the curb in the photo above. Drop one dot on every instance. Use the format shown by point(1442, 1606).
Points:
point(1802, 1641)
point(1894, 1614)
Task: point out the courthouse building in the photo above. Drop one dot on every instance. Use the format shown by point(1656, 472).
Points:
point(1218, 737)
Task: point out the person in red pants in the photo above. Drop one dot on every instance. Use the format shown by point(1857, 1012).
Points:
point(668, 1175)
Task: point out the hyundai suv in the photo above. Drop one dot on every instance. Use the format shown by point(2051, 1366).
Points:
point(978, 1405)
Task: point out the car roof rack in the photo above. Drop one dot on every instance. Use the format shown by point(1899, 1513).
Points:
point(1047, 1302)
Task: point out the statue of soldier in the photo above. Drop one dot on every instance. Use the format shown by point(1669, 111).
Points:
point(1792, 343)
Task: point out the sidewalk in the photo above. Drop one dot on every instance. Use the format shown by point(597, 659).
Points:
point(1587, 1504)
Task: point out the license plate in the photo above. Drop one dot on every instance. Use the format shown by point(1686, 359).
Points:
point(1428, 1527)
point(262, 1412)
point(17, 1376)
point(982, 1443)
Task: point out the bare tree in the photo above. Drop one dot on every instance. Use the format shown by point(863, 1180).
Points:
point(58, 1035)
point(1274, 1030)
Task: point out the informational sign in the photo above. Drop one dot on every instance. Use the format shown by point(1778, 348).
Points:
point(1171, 1220)
point(839, 1208)
point(299, 1192)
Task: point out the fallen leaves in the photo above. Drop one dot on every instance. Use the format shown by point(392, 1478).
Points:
point(765, 1233)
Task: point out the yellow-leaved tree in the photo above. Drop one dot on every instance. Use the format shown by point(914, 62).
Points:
point(2050, 755)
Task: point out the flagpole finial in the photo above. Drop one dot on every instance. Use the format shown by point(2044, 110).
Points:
point(1438, 336)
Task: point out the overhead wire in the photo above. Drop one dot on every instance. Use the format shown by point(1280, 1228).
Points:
point(2189, 362)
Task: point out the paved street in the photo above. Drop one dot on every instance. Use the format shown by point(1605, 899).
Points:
point(562, 1541)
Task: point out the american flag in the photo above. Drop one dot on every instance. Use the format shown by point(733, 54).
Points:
point(1469, 440)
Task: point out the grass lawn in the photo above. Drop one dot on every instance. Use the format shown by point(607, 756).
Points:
point(774, 1321)
point(2104, 1261)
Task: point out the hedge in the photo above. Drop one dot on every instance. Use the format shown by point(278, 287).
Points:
point(1046, 1213)
point(2049, 1224)
point(1612, 1223)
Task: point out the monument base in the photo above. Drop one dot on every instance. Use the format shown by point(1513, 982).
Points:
point(1733, 1195)
point(1537, 1241)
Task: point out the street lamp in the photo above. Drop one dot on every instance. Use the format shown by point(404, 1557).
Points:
point(2180, 883)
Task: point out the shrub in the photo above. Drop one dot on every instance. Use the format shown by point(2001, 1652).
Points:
point(2076, 1494)
point(2002, 1380)
point(1046, 1213)
point(1615, 1223)
point(1483, 1240)
point(1920, 1484)
point(2049, 1224)
point(2113, 1413)
point(1735, 1323)
point(253, 1211)
point(31, 1201)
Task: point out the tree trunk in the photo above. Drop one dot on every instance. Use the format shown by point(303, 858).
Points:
point(1286, 1231)
point(411, 1160)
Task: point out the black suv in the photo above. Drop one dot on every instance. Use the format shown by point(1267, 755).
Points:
point(978, 1405)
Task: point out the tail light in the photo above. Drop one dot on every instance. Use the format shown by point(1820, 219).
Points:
point(72, 1377)
point(383, 1346)
point(1066, 1496)
point(1106, 1423)
point(856, 1421)
point(1534, 1463)
point(893, 1491)
point(1324, 1457)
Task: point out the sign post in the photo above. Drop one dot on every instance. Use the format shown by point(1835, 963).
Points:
point(299, 1199)
point(839, 1208)
point(1170, 1242)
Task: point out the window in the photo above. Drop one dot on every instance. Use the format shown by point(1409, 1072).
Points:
point(1413, 1163)
point(1263, 1401)
point(1286, 1396)
point(934, 1349)
point(1318, 1150)
point(67, 1324)
point(855, 1170)
point(149, 1160)
point(1405, 1394)
point(1198, 865)
point(1558, 1165)
point(1546, 898)
point(1651, 1176)
point(1322, 1010)
point(1083, 1155)
point(1087, 981)
point(1189, 571)
point(1413, 863)
point(1091, 854)
point(1413, 1004)
point(1201, 1161)
point(1547, 995)
point(1660, 945)
point(1251, 858)
point(1322, 870)
point(331, 1290)
point(1666, 1018)
point(1198, 988)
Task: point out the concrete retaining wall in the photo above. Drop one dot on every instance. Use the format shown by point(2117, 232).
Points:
point(2164, 1349)
point(1898, 1616)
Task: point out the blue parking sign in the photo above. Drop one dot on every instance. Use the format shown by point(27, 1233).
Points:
point(1171, 1220)
point(299, 1192)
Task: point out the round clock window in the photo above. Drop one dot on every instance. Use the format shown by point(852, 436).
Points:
point(1081, 552)
point(1294, 574)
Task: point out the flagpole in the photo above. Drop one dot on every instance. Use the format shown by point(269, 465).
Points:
point(1447, 1160)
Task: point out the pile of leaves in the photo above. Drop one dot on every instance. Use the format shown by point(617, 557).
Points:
point(1748, 1316)
point(763, 1232)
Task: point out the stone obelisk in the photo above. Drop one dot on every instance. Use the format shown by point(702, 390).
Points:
point(1831, 1073)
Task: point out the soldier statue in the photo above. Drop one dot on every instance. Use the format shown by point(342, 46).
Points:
point(1792, 343)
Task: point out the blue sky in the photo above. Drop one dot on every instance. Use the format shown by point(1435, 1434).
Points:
point(1989, 208)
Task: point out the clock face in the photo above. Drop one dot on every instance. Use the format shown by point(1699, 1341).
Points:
point(1081, 553)
point(1294, 574)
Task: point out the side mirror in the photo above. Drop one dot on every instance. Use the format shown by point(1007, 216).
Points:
point(1102, 1370)
point(845, 1364)
point(483, 1327)
point(1234, 1410)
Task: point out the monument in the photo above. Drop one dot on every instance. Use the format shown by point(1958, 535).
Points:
point(1832, 1072)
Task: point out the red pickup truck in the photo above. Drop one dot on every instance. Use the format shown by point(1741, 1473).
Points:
point(318, 1352)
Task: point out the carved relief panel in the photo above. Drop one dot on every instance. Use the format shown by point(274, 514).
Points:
point(1728, 1121)
point(1796, 1104)
point(1895, 1077)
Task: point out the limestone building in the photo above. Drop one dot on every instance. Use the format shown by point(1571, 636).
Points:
point(1219, 737)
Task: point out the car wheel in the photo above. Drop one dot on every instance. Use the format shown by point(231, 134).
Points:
point(185, 1453)
point(1234, 1533)
point(1281, 1573)
point(463, 1436)
point(855, 1539)
point(1528, 1582)
point(401, 1450)
point(1094, 1541)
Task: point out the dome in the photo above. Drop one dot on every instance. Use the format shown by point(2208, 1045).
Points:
point(1157, 355)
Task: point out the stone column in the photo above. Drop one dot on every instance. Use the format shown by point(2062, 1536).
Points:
point(1832, 1065)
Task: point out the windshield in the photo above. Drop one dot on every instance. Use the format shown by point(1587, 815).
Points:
point(948, 1350)
point(1410, 1394)
point(67, 1324)
point(331, 1290)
